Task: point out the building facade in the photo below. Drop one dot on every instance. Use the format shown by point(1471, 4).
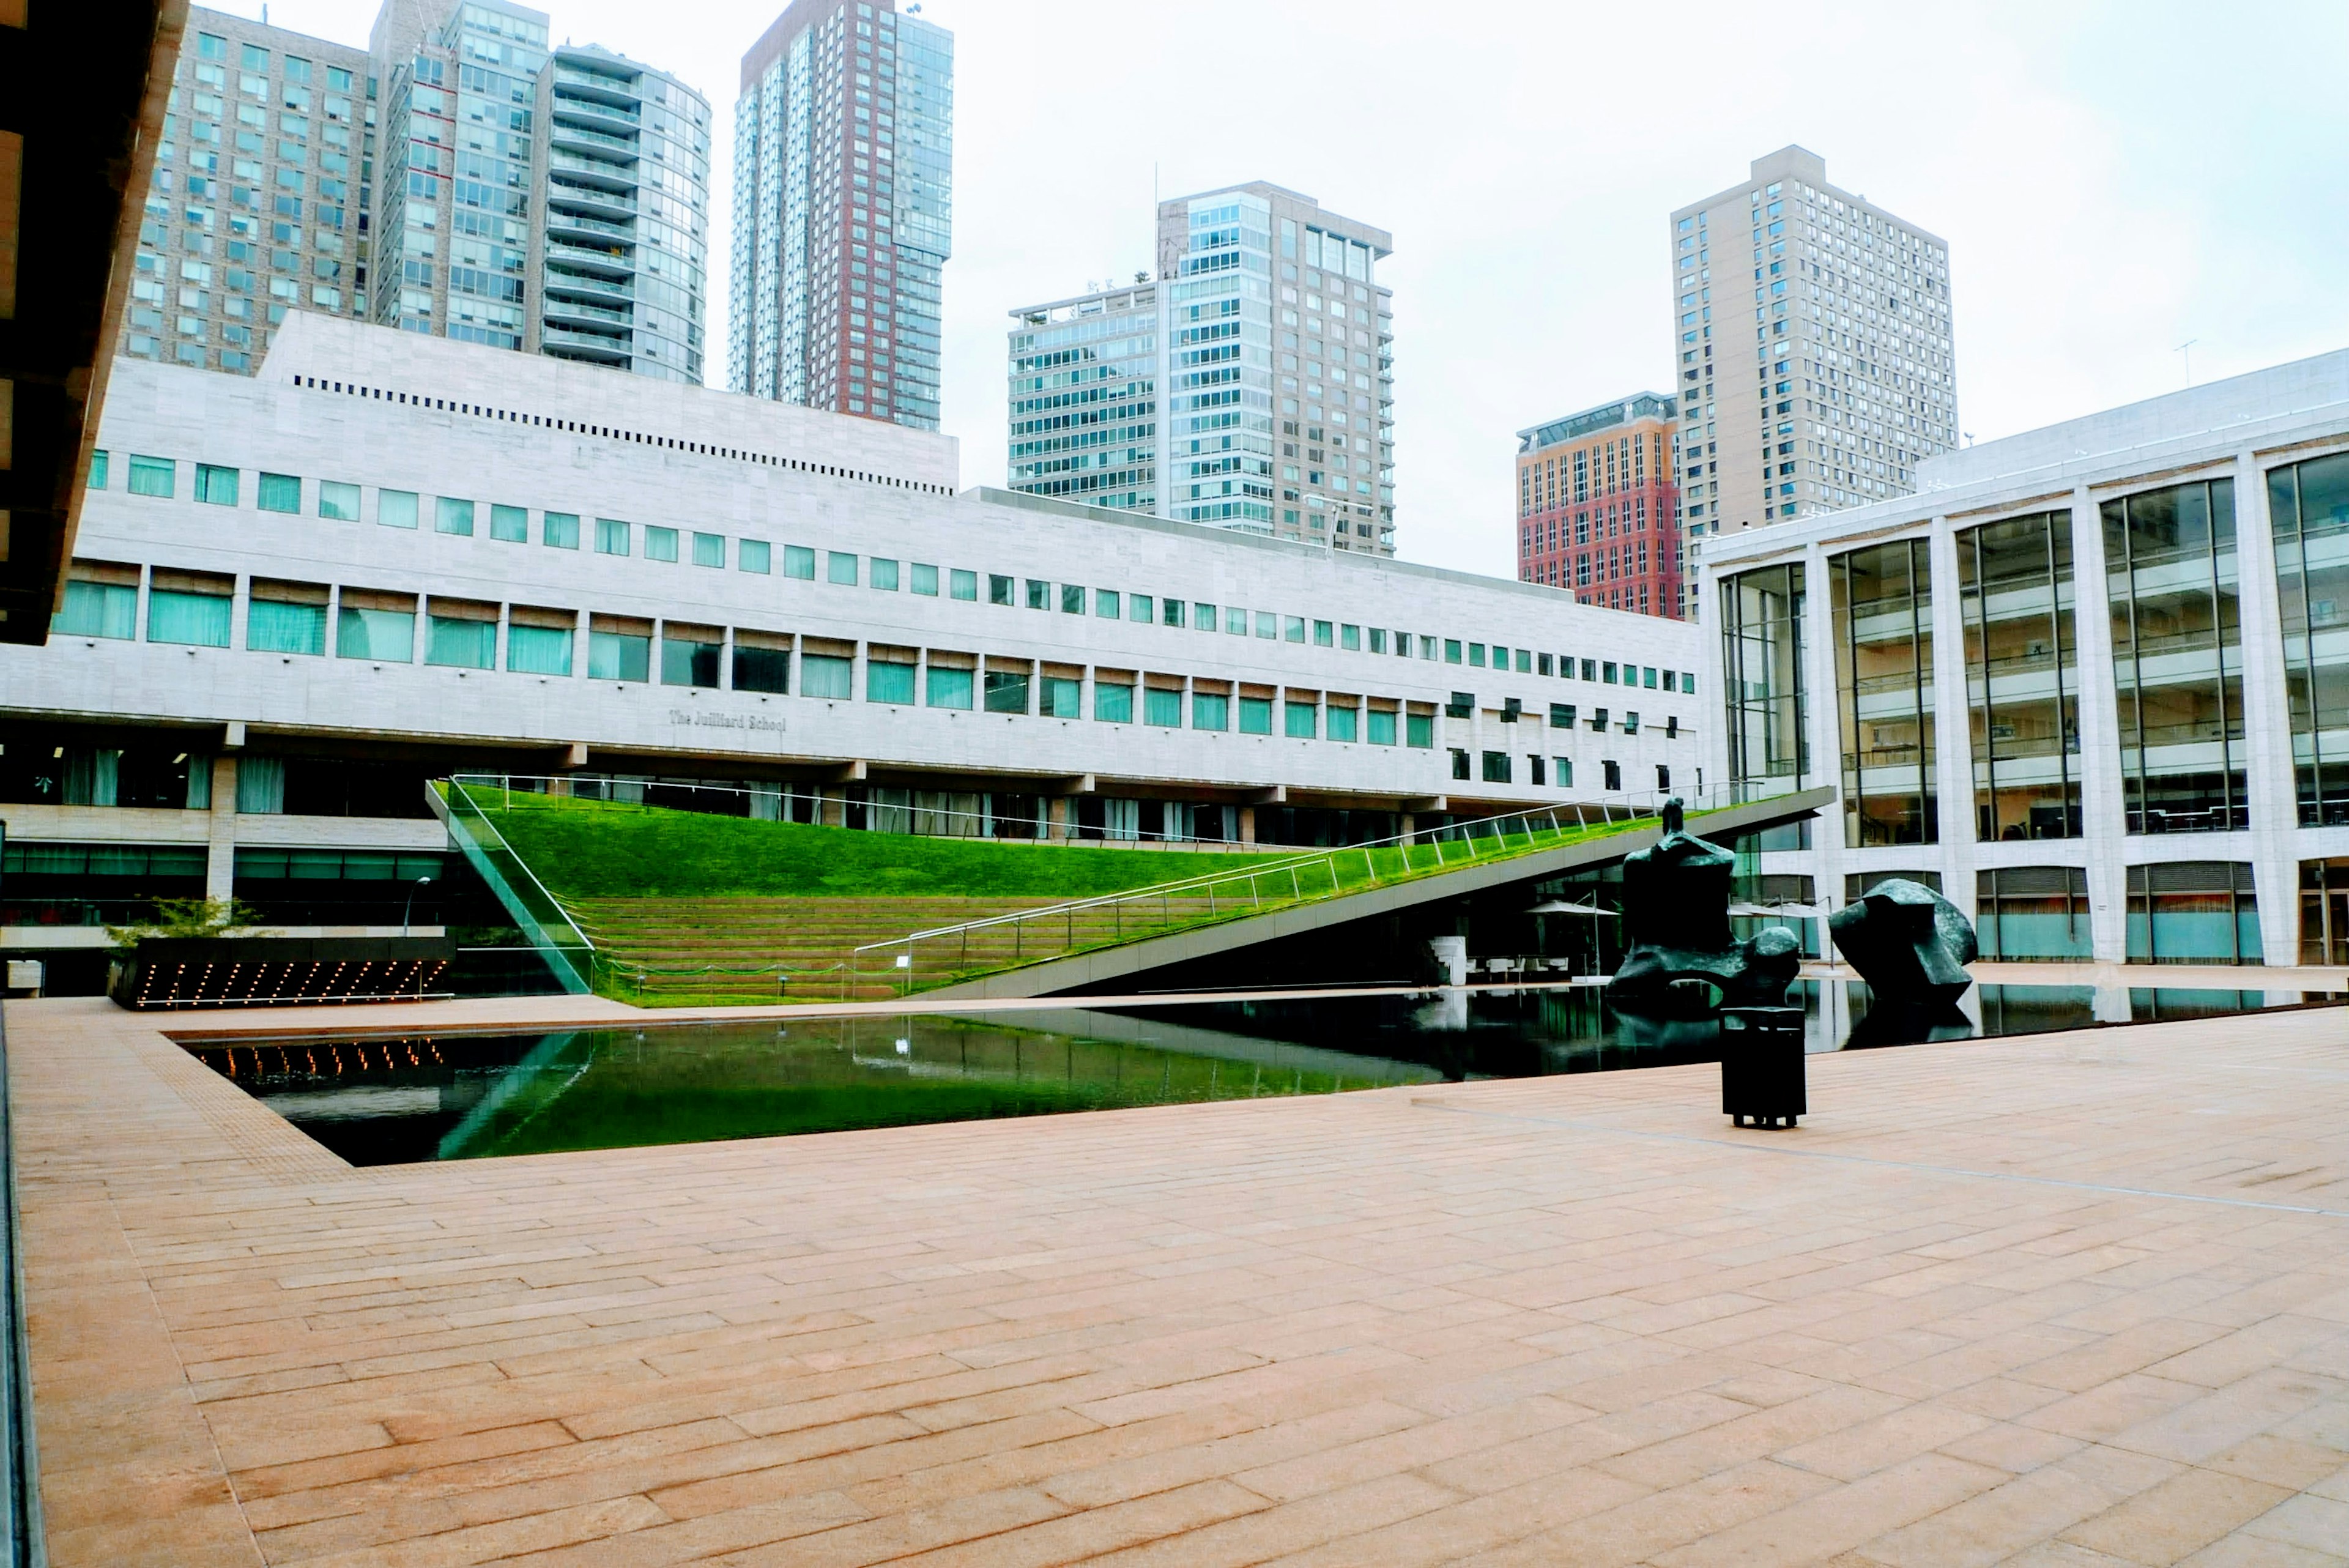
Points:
point(2092, 682)
point(843, 207)
point(278, 625)
point(1597, 507)
point(1083, 397)
point(253, 208)
point(620, 247)
point(1852, 382)
point(1277, 369)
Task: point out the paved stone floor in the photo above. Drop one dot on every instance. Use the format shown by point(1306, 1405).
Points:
point(2077, 1299)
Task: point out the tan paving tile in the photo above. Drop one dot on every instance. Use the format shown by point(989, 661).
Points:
point(1567, 1319)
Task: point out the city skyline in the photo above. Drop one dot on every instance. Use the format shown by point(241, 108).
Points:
point(1529, 271)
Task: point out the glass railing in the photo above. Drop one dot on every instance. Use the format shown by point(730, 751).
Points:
point(541, 919)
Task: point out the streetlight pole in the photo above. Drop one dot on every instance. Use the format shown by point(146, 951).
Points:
point(409, 907)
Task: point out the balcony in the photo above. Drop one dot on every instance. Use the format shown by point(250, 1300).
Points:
point(573, 223)
point(623, 148)
point(587, 199)
point(595, 112)
point(579, 311)
point(587, 284)
point(564, 343)
point(603, 262)
point(601, 171)
point(571, 82)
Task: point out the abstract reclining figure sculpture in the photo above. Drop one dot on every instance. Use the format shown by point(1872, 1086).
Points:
point(1676, 923)
point(1908, 942)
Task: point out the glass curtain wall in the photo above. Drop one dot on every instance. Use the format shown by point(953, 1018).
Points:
point(2022, 679)
point(2308, 507)
point(1884, 692)
point(1762, 658)
point(2177, 657)
point(2325, 911)
point(2198, 911)
point(2032, 913)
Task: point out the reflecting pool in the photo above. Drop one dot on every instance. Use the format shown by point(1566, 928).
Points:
point(452, 1096)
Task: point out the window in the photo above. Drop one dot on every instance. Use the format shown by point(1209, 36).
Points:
point(215, 486)
point(1881, 597)
point(761, 669)
point(395, 508)
point(1562, 772)
point(1112, 702)
point(949, 687)
point(799, 560)
point(840, 566)
point(1349, 637)
point(1267, 625)
point(1379, 641)
point(1381, 726)
point(924, 580)
point(1496, 767)
point(1141, 608)
point(1256, 715)
point(1236, 620)
point(619, 656)
point(1107, 604)
point(1630, 723)
point(1418, 730)
point(510, 525)
point(688, 661)
point(1162, 708)
point(709, 550)
point(190, 612)
point(1343, 723)
point(1561, 715)
point(286, 618)
point(339, 502)
point(2308, 512)
point(1039, 594)
point(883, 574)
point(453, 516)
point(1210, 711)
point(1300, 721)
point(1607, 673)
point(611, 539)
point(538, 650)
point(1005, 692)
point(150, 476)
point(1612, 774)
point(660, 544)
point(1451, 651)
point(892, 680)
point(1073, 599)
point(97, 470)
point(1061, 698)
point(2193, 912)
point(1663, 778)
point(278, 493)
point(560, 529)
point(1292, 627)
point(1459, 763)
point(999, 590)
point(98, 609)
point(826, 676)
point(1476, 657)
point(1535, 773)
point(375, 628)
point(463, 641)
point(962, 585)
point(754, 555)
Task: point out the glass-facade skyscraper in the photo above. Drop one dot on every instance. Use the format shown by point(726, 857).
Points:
point(844, 210)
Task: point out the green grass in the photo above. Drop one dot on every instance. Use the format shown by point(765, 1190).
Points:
point(602, 850)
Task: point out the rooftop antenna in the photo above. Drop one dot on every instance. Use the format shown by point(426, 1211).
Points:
point(2187, 348)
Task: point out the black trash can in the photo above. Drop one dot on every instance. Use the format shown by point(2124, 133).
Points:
point(1762, 1065)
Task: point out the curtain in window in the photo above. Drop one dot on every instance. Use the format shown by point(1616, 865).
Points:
point(885, 682)
point(538, 650)
point(396, 508)
point(465, 644)
point(280, 493)
point(200, 783)
point(766, 804)
point(823, 676)
point(200, 620)
point(91, 774)
point(261, 785)
point(950, 688)
point(618, 655)
point(388, 636)
point(273, 627)
point(98, 609)
point(150, 476)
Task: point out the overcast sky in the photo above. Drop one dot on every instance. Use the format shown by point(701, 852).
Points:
point(2113, 181)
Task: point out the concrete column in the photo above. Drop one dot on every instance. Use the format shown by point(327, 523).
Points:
point(220, 845)
point(1248, 824)
point(1953, 771)
point(1824, 718)
point(1056, 818)
point(2104, 823)
point(831, 809)
point(2267, 776)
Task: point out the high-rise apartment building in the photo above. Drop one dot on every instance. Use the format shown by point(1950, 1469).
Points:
point(254, 205)
point(844, 183)
point(1274, 381)
point(1596, 506)
point(1084, 399)
point(620, 251)
point(1850, 381)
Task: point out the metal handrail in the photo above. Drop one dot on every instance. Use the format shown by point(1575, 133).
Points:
point(1327, 859)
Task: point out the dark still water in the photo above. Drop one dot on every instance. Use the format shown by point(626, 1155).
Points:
point(380, 1102)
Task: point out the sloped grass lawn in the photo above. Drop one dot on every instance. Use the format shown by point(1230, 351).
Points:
point(603, 849)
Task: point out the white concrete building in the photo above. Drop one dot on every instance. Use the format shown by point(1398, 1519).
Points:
point(385, 557)
point(2093, 681)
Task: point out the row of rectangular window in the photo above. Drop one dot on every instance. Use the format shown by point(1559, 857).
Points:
point(613, 536)
point(1499, 767)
